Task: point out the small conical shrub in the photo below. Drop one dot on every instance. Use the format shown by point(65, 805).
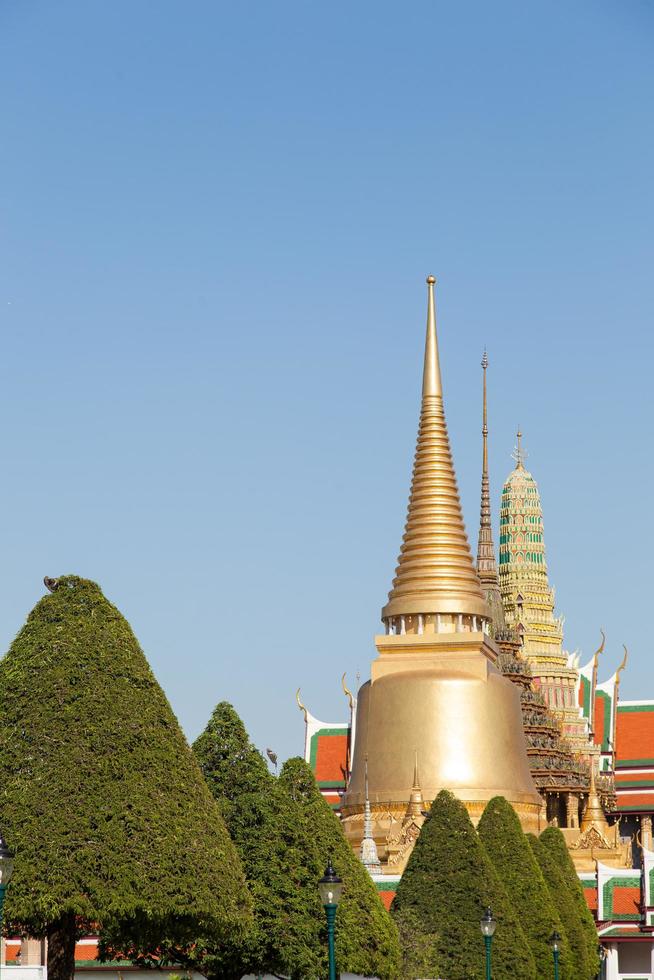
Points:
point(565, 906)
point(366, 937)
point(554, 842)
point(448, 883)
point(509, 851)
point(258, 812)
point(101, 798)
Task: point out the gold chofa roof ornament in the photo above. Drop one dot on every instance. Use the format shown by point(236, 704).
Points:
point(435, 571)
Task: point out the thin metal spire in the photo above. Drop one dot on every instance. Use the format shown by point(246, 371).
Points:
point(368, 851)
point(486, 563)
point(518, 454)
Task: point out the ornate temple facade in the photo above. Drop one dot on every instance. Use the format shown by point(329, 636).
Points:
point(465, 644)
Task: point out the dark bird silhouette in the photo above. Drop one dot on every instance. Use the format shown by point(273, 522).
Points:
point(50, 583)
point(272, 756)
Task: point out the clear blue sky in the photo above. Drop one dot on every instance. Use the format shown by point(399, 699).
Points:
point(216, 224)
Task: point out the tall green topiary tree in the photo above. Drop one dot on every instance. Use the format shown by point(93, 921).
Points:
point(514, 861)
point(257, 812)
point(101, 797)
point(554, 842)
point(566, 906)
point(366, 938)
point(447, 884)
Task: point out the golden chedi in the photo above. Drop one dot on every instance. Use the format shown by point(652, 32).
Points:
point(434, 688)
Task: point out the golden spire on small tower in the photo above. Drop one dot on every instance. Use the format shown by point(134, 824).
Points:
point(435, 571)
point(593, 814)
point(416, 803)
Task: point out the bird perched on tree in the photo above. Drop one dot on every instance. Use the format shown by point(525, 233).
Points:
point(273, 757)
point(50, 583)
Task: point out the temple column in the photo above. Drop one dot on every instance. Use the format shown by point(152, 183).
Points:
point(572, 810)
point(611, 962)
point(646, 831)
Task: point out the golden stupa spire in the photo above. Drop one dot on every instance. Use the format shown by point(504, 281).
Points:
point(594, 814)
point(486, 564)
point(416, 803)
point(435, 571)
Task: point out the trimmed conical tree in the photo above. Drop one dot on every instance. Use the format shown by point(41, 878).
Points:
point(102, 800)
point(257, 813)
point(509, 851)
point(447, 884)
point(366, 937)
point(554, 842)
point(566, 907)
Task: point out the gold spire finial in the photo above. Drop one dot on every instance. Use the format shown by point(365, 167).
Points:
point(347, 692)
point(416, 778)
point(593, 814)
point(518, 454)
point(416, 802)
point(623, 664)
point(431, 378)
point(600, 649)
point(435, 572)
point(300, 705)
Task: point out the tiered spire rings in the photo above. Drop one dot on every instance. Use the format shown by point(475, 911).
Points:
point(435, 575)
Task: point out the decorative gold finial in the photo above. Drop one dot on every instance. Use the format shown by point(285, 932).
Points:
point(431, 378)
point(349, 694)
point(623, 664)
point(416, 778)
point(600, 648)
point(593, 814)
point(518, 454)
point(300, 705)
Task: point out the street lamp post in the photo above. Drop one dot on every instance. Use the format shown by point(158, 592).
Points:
point(330, 887)
point(555, 943)
point(488, 925)
point(6, 869)
point(602, 957)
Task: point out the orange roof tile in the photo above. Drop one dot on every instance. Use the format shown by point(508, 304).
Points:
point(331, 758)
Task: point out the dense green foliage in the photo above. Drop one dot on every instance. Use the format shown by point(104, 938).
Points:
point(102, 799)
point(447, 884)
point(256, 811)
point(366, 937)
point(285, 831)
point(567, 908)
point(554, 842)
point(509, 851)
